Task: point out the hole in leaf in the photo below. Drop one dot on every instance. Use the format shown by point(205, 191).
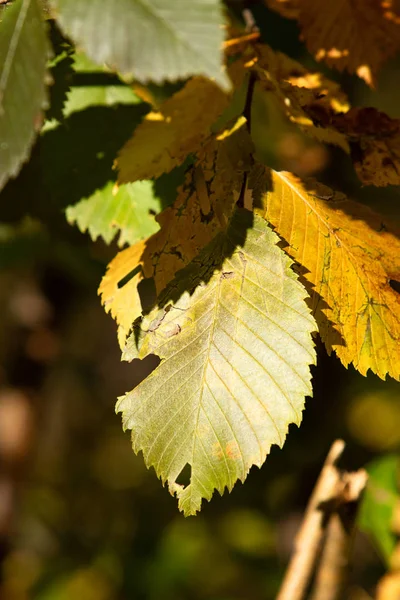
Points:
point(137, 370)
point(129, 276)
point(147, 294)
point(185, 475)
point(395, 285)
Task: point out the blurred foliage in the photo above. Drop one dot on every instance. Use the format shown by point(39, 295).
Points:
point(80, 516)
point(381, 496)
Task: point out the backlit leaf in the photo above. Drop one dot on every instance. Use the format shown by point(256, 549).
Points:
point(85, 84)
point(201, 210)
point(235, 364)
point(23, 57)
point(350, 259)
point(148, 39)
point(167, 136)
point(124, 209)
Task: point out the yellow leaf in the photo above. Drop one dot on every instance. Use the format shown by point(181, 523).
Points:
point(122, 300)
point(165, 138)
point(348, 256)
point(307, 98)
point(204, 204)
point(356, 35)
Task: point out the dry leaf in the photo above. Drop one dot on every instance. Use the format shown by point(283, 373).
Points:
point(356, 35)
point(375, 144)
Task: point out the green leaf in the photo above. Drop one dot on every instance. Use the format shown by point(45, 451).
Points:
point(149, 39)
point(81, 97)
point(83, 84)
point(92, 86)
point(234, 369)
point(381, 495)
point(23, 57)
point(126, 208)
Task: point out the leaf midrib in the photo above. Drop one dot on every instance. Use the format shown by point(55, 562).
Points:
point(12, 48)
point(206, 362)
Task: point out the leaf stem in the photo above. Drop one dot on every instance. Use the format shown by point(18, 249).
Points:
point(247, 114)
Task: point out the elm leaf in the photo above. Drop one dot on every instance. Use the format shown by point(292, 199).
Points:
point(24, 52)
point(149, 39)
point(235, 363)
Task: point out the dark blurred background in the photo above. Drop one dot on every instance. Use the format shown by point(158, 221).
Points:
point(80, 516)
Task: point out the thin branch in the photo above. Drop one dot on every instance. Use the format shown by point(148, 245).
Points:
point(308, 539)
point(249, 100)
point(333, 568)
point(247, 114)
point(248, 18)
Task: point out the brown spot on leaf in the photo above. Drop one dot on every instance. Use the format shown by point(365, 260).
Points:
point(232, 450)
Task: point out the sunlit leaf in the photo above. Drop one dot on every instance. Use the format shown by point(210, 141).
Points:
point(149, 39)
point(235, 364)
point(177, 129)
point(351, 260)
point(124, 209)
point(201, 210)
point(304, 96)
point(23, 56)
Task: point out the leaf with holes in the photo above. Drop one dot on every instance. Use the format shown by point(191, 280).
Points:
point(149, 39)
point(202, 209)
point(235, 363)
point(125, 209)
point(23, 56)
point(350, 259)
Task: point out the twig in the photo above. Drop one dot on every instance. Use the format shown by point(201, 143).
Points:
point(332, 571)
point(241, 201)
point(248, 18)
point(249, 100)
point(308, 539)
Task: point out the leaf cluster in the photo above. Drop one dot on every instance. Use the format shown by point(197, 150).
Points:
point(230, 282)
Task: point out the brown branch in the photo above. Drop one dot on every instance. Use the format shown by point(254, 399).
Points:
point(333, 568)
point(241, 201)
point(308, 539)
